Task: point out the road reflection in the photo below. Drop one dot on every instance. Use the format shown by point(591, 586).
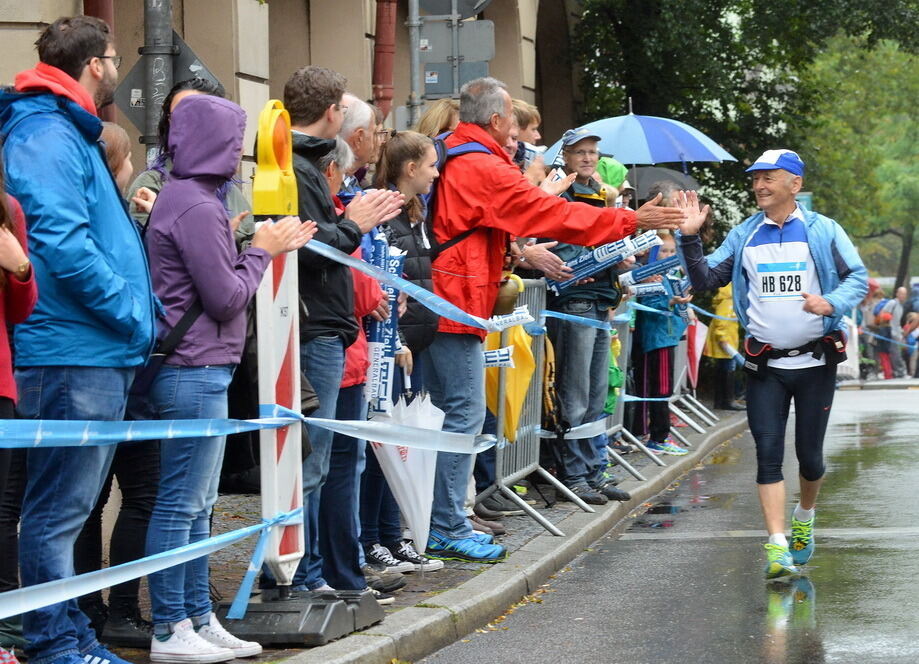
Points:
point(791, 630)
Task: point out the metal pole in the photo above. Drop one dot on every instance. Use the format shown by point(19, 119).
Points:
point(455, 60)
point(157, 52)
point(414, 40)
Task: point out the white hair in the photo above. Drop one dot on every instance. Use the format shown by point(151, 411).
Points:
point(480, 99)
point(358, 116)
point(341, 155)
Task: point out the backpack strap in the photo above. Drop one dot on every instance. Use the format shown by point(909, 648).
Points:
point(449, 153)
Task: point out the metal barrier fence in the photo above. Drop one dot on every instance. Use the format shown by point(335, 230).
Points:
point(515, 461)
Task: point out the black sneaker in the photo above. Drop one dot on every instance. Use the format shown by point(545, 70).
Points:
point(382, 558)
point(498, 503)
point(381, 597)
point(406, 552)
point(386, 582)
point(610, 490)
point(585, 493)
point(128, 632)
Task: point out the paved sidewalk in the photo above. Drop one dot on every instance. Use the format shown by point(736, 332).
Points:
point(438, 608)
point(439, 618)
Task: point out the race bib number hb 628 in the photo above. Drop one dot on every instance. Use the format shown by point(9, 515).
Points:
point(782, 281)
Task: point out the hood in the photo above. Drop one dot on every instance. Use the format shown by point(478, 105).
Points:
point(16, 106)
point(47, 77)
point(311, 147)
point(206, 137)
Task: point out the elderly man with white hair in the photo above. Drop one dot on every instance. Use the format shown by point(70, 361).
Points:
point(795, 274)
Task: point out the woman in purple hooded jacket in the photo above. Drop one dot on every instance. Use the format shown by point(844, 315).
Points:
point(193, 258)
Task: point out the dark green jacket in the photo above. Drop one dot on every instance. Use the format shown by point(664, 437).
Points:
point(605, 286)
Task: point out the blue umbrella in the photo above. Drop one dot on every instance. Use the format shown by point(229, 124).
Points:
point(646, 139)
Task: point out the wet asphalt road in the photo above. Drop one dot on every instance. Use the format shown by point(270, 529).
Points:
point(684, 582)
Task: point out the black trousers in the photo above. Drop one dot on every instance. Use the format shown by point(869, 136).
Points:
point(137, 467)
point(12, 485)
point(768, 403)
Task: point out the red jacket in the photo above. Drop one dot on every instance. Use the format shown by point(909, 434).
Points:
point(367, 295)
point(488, 190)
point(16, 304)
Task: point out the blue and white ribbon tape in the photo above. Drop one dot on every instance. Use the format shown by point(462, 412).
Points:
point(34, 597)
point(887, 339)
point(433, 302)
point(241, 600)
point(580, 320)
point(588, 430)
point(76, 433)
point(710, 314)
point(630, 397)
point(651, 310)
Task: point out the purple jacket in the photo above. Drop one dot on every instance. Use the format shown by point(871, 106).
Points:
point(189, 241)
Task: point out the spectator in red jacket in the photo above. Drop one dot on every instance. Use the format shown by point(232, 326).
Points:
point(486, 193)
point(17, 297)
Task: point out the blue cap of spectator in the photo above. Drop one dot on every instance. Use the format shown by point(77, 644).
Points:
point(572, 136)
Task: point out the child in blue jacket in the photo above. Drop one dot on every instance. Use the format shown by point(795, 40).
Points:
point(656, 337)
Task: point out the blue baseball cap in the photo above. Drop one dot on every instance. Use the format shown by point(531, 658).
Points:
point(572, 136)
point(784, 159)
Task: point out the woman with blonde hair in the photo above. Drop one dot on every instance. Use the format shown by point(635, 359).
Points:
point(440, 116)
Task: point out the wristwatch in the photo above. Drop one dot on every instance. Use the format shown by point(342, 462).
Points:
point(22, 270)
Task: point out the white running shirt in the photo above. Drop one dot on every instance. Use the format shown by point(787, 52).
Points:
point(779, 267)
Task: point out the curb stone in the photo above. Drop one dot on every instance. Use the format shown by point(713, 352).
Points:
point(417, 631)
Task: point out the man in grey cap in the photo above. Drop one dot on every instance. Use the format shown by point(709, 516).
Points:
point(582, 352)
point(795, 274)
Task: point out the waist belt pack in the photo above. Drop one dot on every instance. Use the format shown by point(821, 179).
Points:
point(757, 353)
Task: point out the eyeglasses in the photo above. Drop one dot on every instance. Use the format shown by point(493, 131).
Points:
point(583, 153)
point(386, 134)
point(116, 59)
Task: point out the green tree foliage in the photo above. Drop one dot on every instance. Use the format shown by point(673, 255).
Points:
point(862, 146)
point(730, 68)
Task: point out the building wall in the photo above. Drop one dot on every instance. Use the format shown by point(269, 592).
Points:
point(253, 47)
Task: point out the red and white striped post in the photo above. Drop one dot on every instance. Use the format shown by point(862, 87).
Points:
point(277, 316)
point(277, 303)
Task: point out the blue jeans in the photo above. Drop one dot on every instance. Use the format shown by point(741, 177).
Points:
point(582, 381)
point(189, 475)
point(323, 361)
point(338, 536)
point(63, 484)
point(455, 379)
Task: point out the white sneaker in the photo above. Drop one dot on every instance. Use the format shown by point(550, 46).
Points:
point(215, 634)
point(185, 645)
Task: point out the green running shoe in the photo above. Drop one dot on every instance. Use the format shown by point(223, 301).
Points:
point(778, 561)
point(802, 540)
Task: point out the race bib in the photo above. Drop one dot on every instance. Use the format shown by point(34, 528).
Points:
point(781, 281)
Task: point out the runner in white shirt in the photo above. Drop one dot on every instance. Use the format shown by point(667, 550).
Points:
point(795, 273)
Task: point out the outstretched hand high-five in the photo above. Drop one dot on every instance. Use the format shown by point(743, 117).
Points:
point(694, 215)
point(652, 215)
